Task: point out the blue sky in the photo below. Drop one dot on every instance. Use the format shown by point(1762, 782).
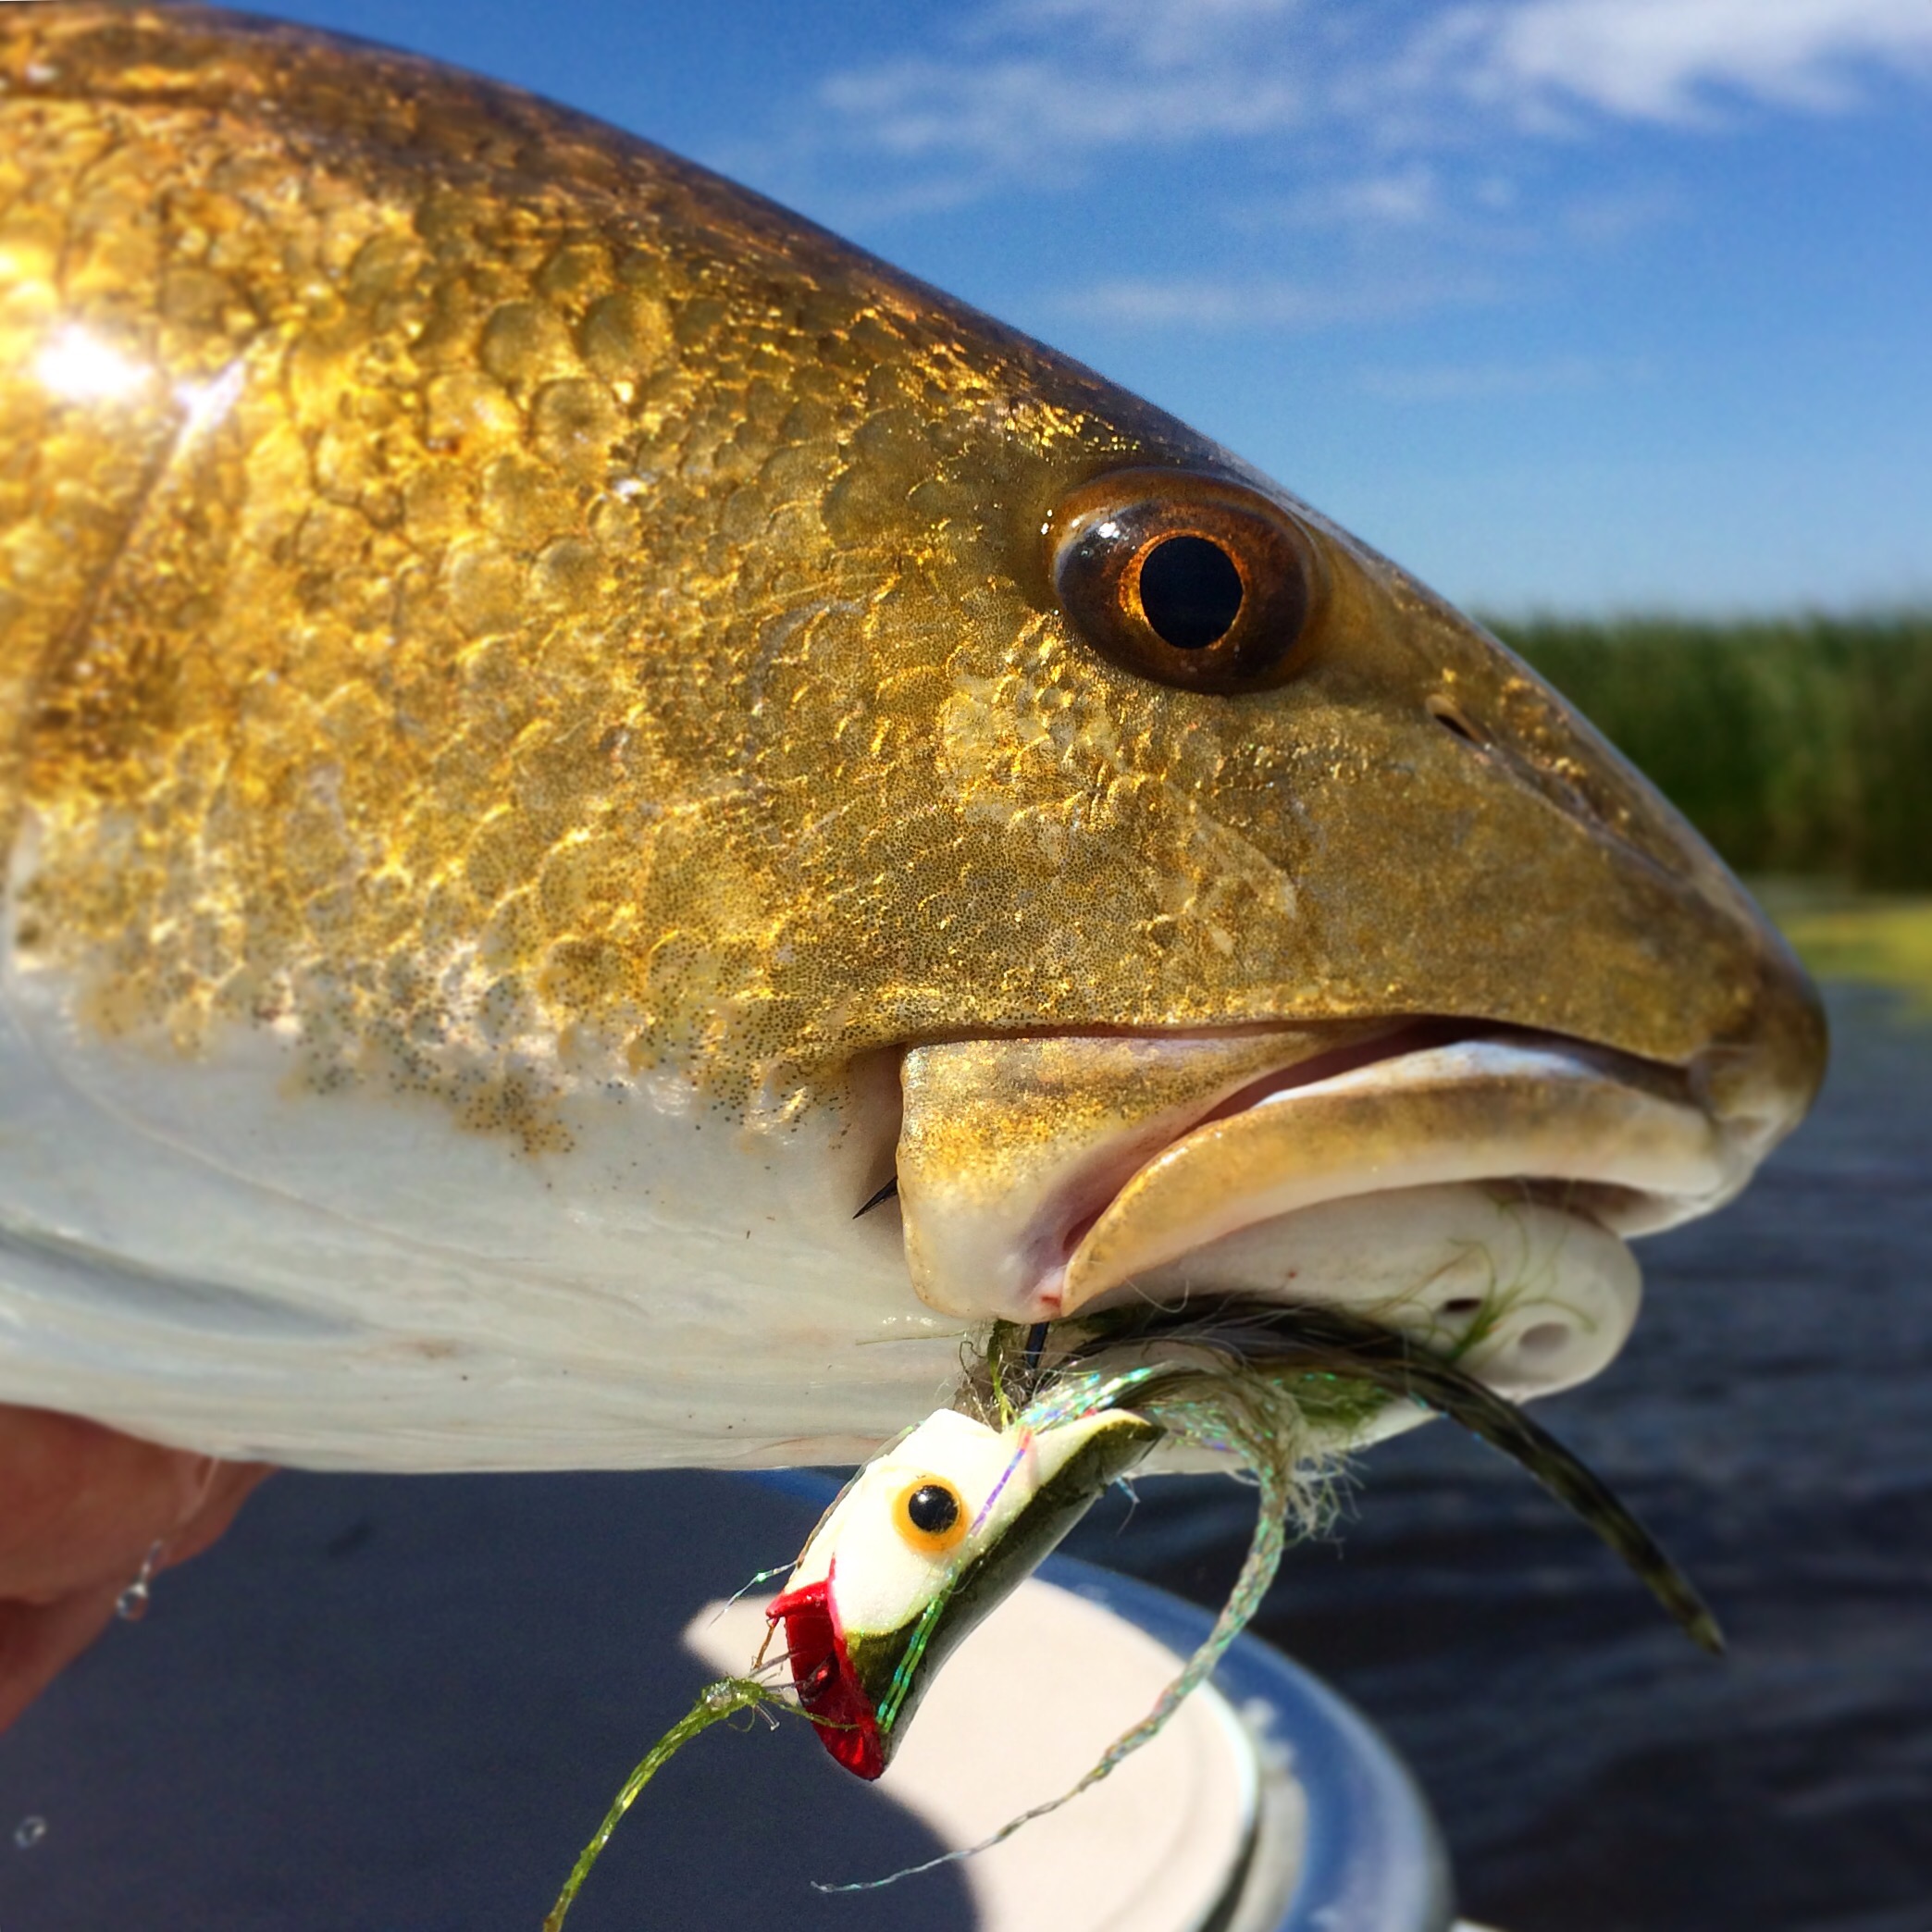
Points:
point(1581, 304)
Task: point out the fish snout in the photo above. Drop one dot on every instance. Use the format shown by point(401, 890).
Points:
point(1758, 1077)
point(1659, 952)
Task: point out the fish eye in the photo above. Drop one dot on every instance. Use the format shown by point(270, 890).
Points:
point(930, 1516)
point(1190, 580)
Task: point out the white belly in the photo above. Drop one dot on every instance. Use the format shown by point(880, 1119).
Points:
point(204, 1251)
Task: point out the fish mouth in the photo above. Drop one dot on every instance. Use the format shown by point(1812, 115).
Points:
point(1611, 1137)
point(1423, 1172)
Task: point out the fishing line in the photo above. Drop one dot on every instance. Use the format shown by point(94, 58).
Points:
point(750, 1583)
point(1036, 1343)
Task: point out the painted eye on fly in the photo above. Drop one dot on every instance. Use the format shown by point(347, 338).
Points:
point(930, 1516)
point(1190, 580)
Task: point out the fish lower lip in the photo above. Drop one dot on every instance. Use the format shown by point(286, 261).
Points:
point(1607, 1131)
point(1360, 1166)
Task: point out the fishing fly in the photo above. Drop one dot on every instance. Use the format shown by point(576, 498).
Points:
point(945, 1521)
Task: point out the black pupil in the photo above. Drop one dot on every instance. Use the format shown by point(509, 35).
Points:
point(1191, 591)
point(932, 1508)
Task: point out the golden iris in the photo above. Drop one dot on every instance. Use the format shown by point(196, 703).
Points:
point(1190, 579)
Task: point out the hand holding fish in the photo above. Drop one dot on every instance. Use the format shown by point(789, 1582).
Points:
point(85, 1510)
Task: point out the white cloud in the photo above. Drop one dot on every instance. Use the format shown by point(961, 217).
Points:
point(1209, 304)
point(1404, 145)
point(1051, 78)
point(1660, 59)
point(1017, 111)
point(1026, 83)
point(1607, 216)
point(1396, 197)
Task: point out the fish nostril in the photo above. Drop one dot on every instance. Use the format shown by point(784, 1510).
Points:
point(1461, 1305)
point(1453, 720)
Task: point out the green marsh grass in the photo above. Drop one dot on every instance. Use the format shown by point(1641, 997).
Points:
point(1798, 746)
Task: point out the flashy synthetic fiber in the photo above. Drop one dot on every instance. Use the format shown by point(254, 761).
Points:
point(1232, 1393)
point(1259, 1387)
point(1233, 1413)
point(1296, 1346)
point(715, 1702)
